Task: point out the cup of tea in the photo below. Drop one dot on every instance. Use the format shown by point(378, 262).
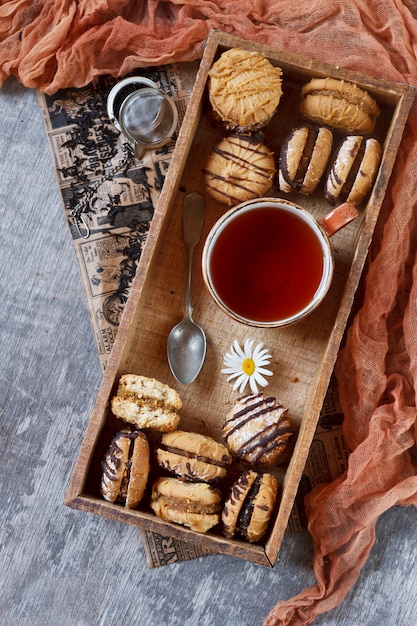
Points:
point(145, 115)
point(269, 263)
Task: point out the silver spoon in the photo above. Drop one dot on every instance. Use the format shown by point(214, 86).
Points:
point(187, 341)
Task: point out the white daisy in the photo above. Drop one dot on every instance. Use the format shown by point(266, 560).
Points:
point(247, 366)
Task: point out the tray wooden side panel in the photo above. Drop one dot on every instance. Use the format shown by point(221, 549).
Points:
point(127, 329)
point(303, 355)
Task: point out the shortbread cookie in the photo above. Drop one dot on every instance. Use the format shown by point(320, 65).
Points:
point(244, 89)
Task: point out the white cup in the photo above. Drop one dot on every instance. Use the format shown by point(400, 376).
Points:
point(269, 263)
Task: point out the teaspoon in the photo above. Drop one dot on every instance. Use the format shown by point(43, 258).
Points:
point(187, 342)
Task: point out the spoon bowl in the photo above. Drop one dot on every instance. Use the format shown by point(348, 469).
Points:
point(186, 348)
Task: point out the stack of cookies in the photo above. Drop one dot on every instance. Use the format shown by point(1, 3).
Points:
point(244, 91)
point(192, 470)
point(332, 106)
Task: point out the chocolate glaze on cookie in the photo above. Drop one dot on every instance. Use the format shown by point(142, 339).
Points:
point(353, 169)
point(249, 505)
point(125, 468)
point(303, 159)
point(241, 167)
point(257, 430)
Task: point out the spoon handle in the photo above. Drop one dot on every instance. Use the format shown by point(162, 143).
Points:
point(193, 217)
point(192, 225)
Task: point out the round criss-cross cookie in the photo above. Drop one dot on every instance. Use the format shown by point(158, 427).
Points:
point(244, 89)
point(257, 430)
point(240, 168)
point(125, 468)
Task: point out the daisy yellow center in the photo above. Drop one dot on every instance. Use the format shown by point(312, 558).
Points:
point(248, 366)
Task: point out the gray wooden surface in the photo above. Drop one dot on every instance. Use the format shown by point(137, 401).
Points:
point(61, 567)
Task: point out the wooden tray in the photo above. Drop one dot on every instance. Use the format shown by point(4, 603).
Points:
point(303, 355)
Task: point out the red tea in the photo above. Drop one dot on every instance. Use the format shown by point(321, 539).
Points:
point(267, 264)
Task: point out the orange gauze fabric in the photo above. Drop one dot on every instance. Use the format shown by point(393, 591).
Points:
point(52, 44)
point(377, 367)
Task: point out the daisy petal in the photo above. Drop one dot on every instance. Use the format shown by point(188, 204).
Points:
point(262, 362)
point(241, 381)
point(264, 356)
point(260, 354)
point(244, 383)
point(238, 349)
point(260, 380)
point(262, 370)
point(234, 375)
point(232, 367)
point(248, 349)
point(234, 363)
point(253, 385)
point(258, 349)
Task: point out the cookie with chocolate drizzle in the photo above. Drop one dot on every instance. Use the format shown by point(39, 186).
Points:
point(303, 159)
point(249, 506)
point(241, 167)
point(257, 430)
point(125, 468)
point(192, 456)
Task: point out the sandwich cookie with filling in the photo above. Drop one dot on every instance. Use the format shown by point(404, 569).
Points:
point(125, 468)
point(304, 157)
point(353, 170)
point(249, 506)
point(339, 104)
point(195, 505)
point(192, 456)
point(146, 403)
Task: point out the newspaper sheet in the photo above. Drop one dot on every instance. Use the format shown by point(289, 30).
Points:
point(109, 198)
